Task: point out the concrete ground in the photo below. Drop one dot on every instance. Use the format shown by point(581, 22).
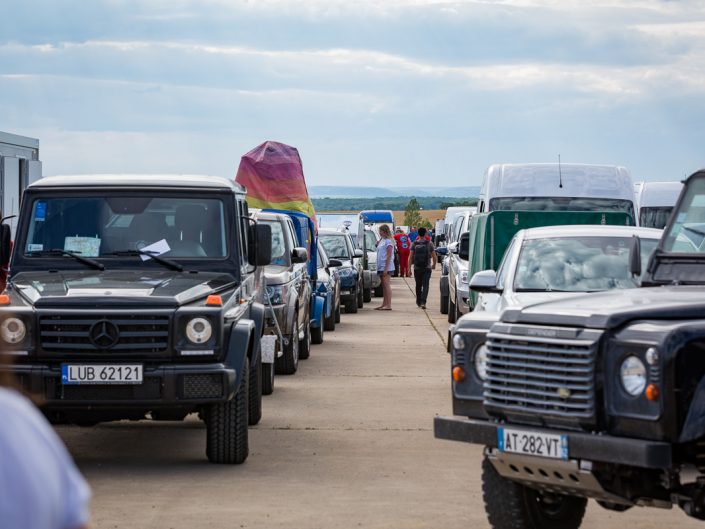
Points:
point(347, 442)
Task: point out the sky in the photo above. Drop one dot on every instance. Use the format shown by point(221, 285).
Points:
point(380, 93)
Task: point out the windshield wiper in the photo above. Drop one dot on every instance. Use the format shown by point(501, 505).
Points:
point(57, 251)
point(173, 265)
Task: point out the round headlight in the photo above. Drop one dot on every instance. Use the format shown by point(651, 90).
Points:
point(13, 330)
point(633, 375)
point(480, 360)
point(199, 330)
point(458, 341)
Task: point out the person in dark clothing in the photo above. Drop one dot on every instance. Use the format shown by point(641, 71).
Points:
point(423, 258)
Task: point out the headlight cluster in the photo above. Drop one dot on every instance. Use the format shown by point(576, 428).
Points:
point(346, 271)
point(199, 330)
point(12, 330)
point(276, 294)
point(479, 354)
point(632, 372)
point(464, 277)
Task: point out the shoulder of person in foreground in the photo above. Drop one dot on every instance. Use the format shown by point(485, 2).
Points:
point(44, 487)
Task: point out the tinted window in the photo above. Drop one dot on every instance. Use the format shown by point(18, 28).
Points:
point(577, 264)
point(97, 226)
point(280, 257)
point(561, 204)
point(335, 246)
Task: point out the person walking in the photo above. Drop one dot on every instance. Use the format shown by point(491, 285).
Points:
point(40, 484)
point(413, 234)
point(385, 265)
point(403, 249)
point(423, 257)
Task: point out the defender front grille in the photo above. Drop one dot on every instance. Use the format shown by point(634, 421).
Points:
point(541, 375)
point(75, 334)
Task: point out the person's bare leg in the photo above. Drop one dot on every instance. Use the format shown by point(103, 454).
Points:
point(386, 292)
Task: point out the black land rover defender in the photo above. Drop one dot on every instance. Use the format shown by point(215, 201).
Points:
point(139, 296)
point(601, 396)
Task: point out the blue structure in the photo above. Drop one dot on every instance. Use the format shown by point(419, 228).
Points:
point(377, 215)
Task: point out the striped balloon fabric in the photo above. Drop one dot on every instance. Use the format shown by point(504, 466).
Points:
point(274, 178)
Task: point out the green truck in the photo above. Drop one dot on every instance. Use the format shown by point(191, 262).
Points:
point(488, 235)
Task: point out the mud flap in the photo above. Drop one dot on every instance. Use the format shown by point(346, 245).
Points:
point(240, 335)
point(317, 306)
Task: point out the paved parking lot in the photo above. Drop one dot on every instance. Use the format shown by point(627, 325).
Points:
point(346, 442)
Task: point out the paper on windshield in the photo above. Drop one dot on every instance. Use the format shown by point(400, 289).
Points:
point(156, 248)
point(84, 246)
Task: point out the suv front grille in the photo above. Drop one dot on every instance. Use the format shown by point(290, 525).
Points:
point(127, 334)
point(541, 375)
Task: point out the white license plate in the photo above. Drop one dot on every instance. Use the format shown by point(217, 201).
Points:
point(532, 443)
point(101, 374)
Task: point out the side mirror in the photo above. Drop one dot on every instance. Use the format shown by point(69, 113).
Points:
point(453, 247)
point(464, 246)
point(442, 250)
point(5, 245)
point(335, 263)
point(358, 253)
point(299, 255)
point(485, 281)
point(635, 257)
point(260, 245)
point(441, 237)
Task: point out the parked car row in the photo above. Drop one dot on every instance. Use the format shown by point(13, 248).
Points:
point(578, 380)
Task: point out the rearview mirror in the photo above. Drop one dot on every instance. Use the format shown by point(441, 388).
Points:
point(635, 257)
point(299, 255)
point(464, 246)
point(335, 263)
point(358, 252)
point(485, 281)
point(260, 245)
point(453, 247)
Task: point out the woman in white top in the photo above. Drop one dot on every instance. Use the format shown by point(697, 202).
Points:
point(385, 265)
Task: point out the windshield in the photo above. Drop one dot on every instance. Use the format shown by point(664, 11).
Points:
point(654, 217)
point(98, 226)
point(335, 246)
point(561, 204)
point(687, 233)
point(370, 241)
point(577, 264)
point(280, 256)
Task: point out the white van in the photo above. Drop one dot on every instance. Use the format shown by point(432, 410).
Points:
point(557, 187)
point(655, 201)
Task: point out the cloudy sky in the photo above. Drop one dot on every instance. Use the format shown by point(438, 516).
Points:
point(382, 92)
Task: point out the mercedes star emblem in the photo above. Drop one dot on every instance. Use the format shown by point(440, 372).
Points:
point(104, 334)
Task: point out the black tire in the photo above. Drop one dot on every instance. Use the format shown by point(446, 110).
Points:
point(452, 311)
point(267, 379)
point(360, 296)
point(254, 400)
point(367, 295)
point(337, 312)
point(226, 426)
point(288, 363)
point(379, 292)
point(329, 321)
point(510, 505)
point(305, 344)
point(317, 335)
point(351, 306)
point(444, 304)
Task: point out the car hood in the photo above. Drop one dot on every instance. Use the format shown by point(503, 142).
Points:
point(117, 287)
point(605, 310)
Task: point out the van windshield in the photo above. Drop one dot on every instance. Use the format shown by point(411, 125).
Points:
point(561, 204)
point(99, 226)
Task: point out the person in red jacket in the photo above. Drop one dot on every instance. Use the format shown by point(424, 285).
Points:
point(403, 247)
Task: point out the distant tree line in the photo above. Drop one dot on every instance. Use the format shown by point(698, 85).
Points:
point(393, 203)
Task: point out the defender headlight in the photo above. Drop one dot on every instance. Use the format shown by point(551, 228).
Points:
point(13, 330)
point(276, 294)
point(464, 277)
point(633, 375)
point(458, 342)
point(198, 330)
point(480, 360)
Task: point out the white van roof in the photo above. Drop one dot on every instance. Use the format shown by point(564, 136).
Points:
point(452, 211)
point(545, 179)
point(657, 194)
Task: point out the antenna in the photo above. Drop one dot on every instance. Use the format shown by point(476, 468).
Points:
point(560, 174)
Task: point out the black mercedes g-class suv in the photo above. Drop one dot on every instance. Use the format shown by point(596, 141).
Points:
point(601, 396)
point(139, 296)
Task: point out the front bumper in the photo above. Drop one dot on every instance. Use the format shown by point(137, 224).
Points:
point(585, 446)
point(163, 386)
